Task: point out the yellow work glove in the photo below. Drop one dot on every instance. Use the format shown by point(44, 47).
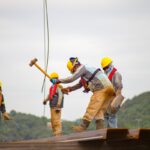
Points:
point(6, 116)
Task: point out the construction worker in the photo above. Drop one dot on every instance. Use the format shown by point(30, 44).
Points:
point(55, 98)
point(116, 79)
point(2, 105)
point(93, 80)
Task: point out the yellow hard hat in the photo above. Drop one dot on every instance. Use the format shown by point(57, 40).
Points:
point(0, 84)
point(70, 65)
point(106, 61)
point(54, 75)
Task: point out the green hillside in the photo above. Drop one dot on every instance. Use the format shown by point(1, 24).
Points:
point(135, 112)
point(27, 126)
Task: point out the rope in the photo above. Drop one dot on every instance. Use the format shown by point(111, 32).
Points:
point(46, 46)
point(46, 39)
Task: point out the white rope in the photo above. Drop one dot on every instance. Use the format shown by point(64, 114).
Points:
point(46, 46)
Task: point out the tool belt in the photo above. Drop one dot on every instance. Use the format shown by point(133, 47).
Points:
point(85, 83)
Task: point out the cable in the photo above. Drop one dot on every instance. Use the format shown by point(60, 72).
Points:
point(46, 39)
point(46, 46)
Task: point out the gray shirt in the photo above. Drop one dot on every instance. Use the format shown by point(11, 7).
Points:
point(116, 80)
point(100, 80)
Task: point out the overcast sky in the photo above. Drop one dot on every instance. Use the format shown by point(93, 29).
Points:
point(88, 29)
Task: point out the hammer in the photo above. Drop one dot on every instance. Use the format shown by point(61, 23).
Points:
point(33, 62)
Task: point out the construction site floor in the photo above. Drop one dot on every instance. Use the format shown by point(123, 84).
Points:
point(103, 139)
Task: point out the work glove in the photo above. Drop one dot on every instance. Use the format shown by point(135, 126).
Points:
point(86, 90)
point(44, 102)
point(58, 110)
point(118, 92)
point(6, 116)
point(66, 90)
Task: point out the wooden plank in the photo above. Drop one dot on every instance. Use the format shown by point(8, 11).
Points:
point(117, 134)
point(105, 139)
point(140, 134)
point(101, 134)
point(84, 139)
point(144, 134)
point(88, 145)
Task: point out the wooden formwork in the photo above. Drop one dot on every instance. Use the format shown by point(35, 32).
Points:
point(103, 139)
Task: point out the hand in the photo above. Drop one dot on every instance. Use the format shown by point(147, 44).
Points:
point(86, 90)
point(118, 92)
point(58, 110)
point(6, 116)
point(66, 90)
point(44, 102)
point(58, 105)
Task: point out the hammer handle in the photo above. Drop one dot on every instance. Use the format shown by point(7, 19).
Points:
point(42, 70)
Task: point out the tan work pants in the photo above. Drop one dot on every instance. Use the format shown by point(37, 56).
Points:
point(56, 121)
point(99, 103)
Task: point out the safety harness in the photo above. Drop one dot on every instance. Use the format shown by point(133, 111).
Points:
point(112, 73)
point(52, 91)
point(85, 83)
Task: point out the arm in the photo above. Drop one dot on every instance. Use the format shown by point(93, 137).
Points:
point(46, 99)
point(1, 97)
point(118, 83)
point(75, 87)
point(71, 88)
point(80, 71)
point(60, 97)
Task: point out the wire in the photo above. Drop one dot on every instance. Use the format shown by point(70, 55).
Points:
point(46, 46)
point(46, 39)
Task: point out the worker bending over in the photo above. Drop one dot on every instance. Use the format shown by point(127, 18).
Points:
point(93, 80)
point(2, 105)
point(55, 98)
point(116, 79)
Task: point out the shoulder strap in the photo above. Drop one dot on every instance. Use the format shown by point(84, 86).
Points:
point(52, 91)
point(112, 73)
point(93, 75)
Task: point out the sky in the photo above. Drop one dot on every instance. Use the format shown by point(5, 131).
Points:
point(87, 29)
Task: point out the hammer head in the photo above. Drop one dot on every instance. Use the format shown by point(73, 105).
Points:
point(32, 62)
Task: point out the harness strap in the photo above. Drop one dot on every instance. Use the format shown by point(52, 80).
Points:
point(85, 83)
point(93, 75)
point(52, 91)
point(112, 73)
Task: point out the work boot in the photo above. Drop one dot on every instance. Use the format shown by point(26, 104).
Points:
point(99, 124)
point(83, 126)
point(57, 134)
point(6, 116)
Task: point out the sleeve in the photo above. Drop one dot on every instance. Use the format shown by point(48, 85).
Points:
point(117, 82)
point(80, 71)
point(75, 87)
point(47, 98)
point(60, 96)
